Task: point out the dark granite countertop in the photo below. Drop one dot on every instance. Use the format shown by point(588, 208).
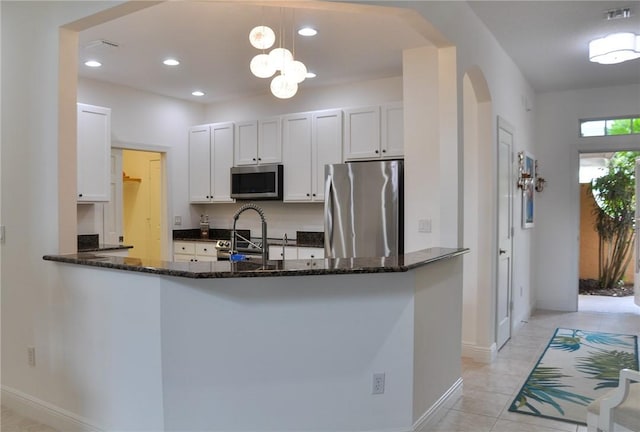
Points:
point(303, 238)
point(226, 269)
point(104, 248)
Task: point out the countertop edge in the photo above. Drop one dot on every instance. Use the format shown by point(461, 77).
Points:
point(205, 270)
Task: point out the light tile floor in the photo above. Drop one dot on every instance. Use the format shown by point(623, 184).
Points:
point(490, 388)
point(14, 422)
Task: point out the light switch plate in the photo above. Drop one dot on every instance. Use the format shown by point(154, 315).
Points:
point(177, 220)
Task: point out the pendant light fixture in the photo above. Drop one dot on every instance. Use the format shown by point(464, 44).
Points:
point(291, 71)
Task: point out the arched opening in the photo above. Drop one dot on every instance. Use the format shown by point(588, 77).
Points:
point(479, 230)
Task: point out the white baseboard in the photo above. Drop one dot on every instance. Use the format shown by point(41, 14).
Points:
point(44, 412)
point(435, 413)
point(478, 353)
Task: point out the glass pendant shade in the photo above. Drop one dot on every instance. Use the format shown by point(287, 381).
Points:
point(262, 66)
point(283, 87)
point(280, 57)
point(296, 70)
point(262, 37)
point(615, 48)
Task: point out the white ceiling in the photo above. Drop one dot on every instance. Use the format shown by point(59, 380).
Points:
point(547, 39)
point(211, 41)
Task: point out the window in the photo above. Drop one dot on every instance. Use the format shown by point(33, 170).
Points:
point(610, 127)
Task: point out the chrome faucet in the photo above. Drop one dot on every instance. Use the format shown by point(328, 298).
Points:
point(263, 246)
point(284, 244)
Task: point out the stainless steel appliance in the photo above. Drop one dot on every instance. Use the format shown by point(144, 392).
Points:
point(257, 182)
point(245, 247)
point(364, 209)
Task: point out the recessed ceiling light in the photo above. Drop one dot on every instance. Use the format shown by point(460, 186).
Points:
point(311, 75)
point(92, 63)
point(307, 31)
point(171, 62)
point(197, 93)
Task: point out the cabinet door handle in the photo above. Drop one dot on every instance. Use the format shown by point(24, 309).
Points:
point(313, 256)
point(254, 159)
point(259, 159)
point(377, 152)
point(314, 194)
point(384, 151)
point(80, 195)
point(307, 194)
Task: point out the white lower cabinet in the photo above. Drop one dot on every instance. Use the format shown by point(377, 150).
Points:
point(295, 252)
point(185, 251)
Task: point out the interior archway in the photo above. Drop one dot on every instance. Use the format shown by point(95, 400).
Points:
point(479, 231)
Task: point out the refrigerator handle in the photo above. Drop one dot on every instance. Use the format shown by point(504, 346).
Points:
point(328, 217)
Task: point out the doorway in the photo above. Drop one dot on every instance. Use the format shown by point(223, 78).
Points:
point(616, 298)
point(142, 198)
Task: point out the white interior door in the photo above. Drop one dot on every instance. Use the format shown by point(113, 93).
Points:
point(505, 234)
point(112, 211)
point(154, 220)
point(636, 279)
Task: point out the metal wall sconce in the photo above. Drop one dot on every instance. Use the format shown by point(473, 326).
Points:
point(540, 181)
point(528, 173)
point(525, 175)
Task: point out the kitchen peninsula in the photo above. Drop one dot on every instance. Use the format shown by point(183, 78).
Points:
point(286, 345)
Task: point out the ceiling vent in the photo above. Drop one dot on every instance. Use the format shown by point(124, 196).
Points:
point(101, 45)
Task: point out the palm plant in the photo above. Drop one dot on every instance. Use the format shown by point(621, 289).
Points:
point(615, 195)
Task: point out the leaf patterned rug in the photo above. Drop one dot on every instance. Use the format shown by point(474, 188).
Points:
point(577, 367)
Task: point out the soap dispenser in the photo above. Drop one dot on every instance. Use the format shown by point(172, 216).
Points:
point(204, 226)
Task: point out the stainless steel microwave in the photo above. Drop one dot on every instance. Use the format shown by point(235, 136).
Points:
point(257, 182)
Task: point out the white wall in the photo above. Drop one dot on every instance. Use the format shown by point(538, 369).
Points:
point(37, 309)
point(558, 207)
point(475, 47)
point(152, 122)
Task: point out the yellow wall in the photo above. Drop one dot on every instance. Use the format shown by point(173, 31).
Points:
point(140, 208)
point(589, 239)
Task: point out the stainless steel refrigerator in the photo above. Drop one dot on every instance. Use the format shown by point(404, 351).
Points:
point(364, 209)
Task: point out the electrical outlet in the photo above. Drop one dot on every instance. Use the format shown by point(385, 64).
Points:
point(424, 225)
point(177, 220)
point(378, 383)
point(31, 356)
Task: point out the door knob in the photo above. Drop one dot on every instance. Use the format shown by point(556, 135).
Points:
point(502, 251)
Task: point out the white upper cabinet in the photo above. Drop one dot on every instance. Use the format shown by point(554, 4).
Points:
point(362, 133)
point(93, 153)
point(221, 161)
point(309, 141)
point(374, 132)
point(269, 141)
point(258, 142)
point(326, 144)
point(200, 164)
point(392, 136)
point(210, 158)
point(296, 158)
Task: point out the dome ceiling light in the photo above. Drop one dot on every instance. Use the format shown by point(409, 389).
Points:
point(291, 71)
point(615, 47)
